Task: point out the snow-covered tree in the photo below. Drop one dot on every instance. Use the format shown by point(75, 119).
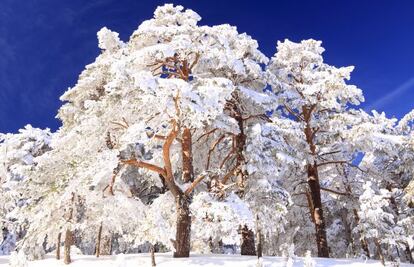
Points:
point(375, 222)
point(17, 157)
point(317, 98)
point(151, 126)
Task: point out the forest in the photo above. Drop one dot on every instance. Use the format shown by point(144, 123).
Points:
point(187, 138)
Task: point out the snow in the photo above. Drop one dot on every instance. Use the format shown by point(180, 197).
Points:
point(166, 260)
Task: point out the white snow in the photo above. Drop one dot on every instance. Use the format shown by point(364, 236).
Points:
point(166, 260)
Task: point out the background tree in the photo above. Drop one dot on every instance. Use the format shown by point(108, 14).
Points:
point(316, 96)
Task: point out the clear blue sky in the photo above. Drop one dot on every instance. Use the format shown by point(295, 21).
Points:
point(45, 44)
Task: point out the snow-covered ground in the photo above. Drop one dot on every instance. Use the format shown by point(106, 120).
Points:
point(166, 260)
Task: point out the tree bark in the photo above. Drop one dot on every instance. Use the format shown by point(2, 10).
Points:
point(259, 244)
point(106, 248)
point(68, 243)
point(364, 242)
point(247, 243)
point(98, 242)
point(318, 218)
point(152, 250)
point(259, 238)
point(183, 232)
point(187, 155)
point(379, 251)
point(314, 186)
point(347, 229)
point(408, 253)
point(58, 246)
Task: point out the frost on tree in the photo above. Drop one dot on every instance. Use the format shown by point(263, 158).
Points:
point(317, 98)
point(18, 153)
point(155, 127)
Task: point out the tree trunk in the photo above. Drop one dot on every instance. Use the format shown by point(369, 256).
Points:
point(318, 218)
point(68, 243)
point(364, 242)
point(259, 238)
point(259, 244)
point(182, 237)
point(314, 186)
point(58, 246)
point(408, 253)
point(187, 155)
point(98, 242)
point(379, 251)
point(152, 250)
point(240, 145)
point(247, 243)
point(347, 229)
point(106, 248)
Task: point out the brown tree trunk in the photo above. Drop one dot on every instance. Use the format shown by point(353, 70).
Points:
point(259, 244)
point(152, 250)
point(318, 218)
point(98, 242)
point(58, 246)
point(379, 251)
point(106, 248)
point(247, 246)
point(183, 234)
point(187, 155)
point(347, 229)
point(314, 186)
point(259, 238)
point(232, 106)
point(67, 244)
point(364, 242)
point(409, 253)
point(240, 144)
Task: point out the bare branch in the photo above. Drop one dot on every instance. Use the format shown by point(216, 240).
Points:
point(260, 116)
point(332, 162)
point(230, 174)
point(207, 133)
point(160, 137)
point(145, 165)
point(329, 153)
point(213, 146)
point(194, 184)
point(122, 125)
point(293, 113)
point(335, 192)
point(341, 162)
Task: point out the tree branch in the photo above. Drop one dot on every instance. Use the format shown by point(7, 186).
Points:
point(207, 133)
point(194, 184)
point(332, 162)
point(145, 165)
point(292, 112)
point(214, 145)
point(335, 192)
point(229, 174)
point(329, 153)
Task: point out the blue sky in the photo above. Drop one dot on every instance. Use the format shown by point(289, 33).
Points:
point(45, 44)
